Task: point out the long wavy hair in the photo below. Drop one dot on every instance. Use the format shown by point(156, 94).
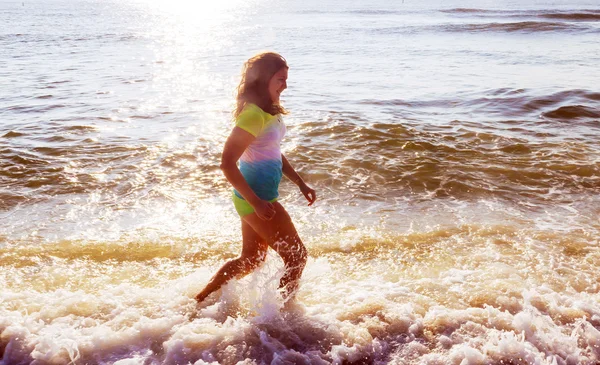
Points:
point(254, 86)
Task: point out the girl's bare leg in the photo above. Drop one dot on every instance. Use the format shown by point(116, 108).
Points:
point(254, 251)
point(281, 235)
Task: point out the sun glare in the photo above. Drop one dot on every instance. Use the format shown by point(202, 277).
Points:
point(203, 10)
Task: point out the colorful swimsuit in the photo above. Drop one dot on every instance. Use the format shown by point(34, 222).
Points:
point(260, 163)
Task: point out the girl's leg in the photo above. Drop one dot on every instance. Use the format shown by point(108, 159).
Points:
point(282, 236)
point(254, 251)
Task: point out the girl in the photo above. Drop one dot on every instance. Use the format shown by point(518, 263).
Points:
point(254, 141)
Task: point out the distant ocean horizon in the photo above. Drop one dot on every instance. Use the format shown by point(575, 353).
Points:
point(454, 147)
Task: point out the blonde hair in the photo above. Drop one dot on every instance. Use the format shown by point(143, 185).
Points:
point(254, 85)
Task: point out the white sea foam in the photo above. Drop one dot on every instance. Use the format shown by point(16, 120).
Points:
point(343, 317)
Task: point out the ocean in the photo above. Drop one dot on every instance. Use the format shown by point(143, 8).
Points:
point(454, 147)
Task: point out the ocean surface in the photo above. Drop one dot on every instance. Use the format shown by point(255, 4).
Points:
point(454, 147)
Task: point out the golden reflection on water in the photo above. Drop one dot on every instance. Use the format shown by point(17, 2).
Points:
point(479, 258)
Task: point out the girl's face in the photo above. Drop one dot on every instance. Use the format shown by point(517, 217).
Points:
point(277, 84)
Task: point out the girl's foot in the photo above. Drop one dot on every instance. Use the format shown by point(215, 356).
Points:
point(292, 306)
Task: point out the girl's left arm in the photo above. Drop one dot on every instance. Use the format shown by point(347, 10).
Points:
point(291, 174)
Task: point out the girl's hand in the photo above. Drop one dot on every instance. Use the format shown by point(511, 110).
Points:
point(264, 210)
point(309, 194)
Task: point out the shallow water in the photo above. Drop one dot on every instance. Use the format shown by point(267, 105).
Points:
point(454, 149)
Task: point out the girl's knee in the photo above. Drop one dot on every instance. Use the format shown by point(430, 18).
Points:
point(254, 261)
point(296, 256)
point(303, 253)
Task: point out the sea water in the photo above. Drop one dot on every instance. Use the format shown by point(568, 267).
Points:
point(454, 147)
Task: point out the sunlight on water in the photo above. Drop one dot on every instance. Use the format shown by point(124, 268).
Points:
point(201, 13)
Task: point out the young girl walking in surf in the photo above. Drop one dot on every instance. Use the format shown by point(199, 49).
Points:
point(255, 142)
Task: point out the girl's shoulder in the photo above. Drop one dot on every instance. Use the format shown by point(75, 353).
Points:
point(252, 108)
point(253, 112)
point(251, 119)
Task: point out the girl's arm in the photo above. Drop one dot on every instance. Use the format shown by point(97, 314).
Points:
point(291, 174)
point(236, 144)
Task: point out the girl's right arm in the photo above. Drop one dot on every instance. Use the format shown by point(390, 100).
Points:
point(235, 146)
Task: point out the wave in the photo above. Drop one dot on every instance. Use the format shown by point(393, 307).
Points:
point(463, 160)
point(34, 108)
point(374, 11)
point(471, 11)
point(507, 21)
point(507, 103)
point(587, 16)
point(564, 21)
point(572, 15)
point(11, 200)
point(67, 160)
point(468, 292)
point(525, 27)
point(48, 38)
point(505, 27)
point(567, 15)
point(24, 254)
point(573, 112)
point(13, 134)
point(518, 153)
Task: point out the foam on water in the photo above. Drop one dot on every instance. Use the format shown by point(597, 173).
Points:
point(470, 295)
